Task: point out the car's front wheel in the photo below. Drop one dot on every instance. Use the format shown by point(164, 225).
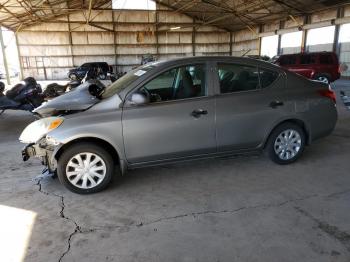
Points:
point(85, 168)
point(286, 143)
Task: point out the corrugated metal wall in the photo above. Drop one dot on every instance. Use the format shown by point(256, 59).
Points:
point(119, 38)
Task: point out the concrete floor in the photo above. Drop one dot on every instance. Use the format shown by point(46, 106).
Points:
point(236, 209)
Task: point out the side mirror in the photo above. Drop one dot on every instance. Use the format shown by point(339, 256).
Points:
point(137, 99)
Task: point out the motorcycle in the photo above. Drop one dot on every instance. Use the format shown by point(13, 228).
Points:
point(25, 97)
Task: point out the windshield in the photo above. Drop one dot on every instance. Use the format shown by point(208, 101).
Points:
point(126, 80)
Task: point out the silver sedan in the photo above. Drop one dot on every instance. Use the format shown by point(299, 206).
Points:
point(189, 108)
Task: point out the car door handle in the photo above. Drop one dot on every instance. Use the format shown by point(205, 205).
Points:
point(198, 112)
point(275, 104)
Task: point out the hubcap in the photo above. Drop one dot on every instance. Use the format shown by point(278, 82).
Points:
point(287, 144)
point(86, 170)
point(323, 79)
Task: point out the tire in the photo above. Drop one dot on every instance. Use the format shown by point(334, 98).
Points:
point(102, 77)
point(69, 160)
point(323, 79)
point(73, 76)
point(284, 153)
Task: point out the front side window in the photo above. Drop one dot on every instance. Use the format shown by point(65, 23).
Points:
point(237, 78)
point(126, 80)
point(177, 83)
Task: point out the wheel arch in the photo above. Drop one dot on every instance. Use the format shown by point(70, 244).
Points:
point(318, 74)
point(98, 141)
point(296, 121)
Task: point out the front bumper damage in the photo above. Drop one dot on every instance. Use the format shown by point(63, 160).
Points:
point(45, 152)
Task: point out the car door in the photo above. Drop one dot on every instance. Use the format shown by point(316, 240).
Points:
point(179, 121)
point(249, 103)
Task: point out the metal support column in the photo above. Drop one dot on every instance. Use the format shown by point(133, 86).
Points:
point(4, 58)
point(279, 49)
point(70, 40)
point(307, 19)
point(19, 58)
point(336, 44)
point(115, 44)
point(194, 38)
point(261, 30)
point(231, 35)
point(156, 33)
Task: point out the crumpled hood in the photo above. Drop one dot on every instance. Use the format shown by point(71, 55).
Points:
point(78, 99)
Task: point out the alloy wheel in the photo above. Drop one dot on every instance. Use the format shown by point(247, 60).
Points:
point(287, 144)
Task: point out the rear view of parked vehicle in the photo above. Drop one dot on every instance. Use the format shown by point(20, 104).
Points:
point(183, 109)
point(321, 66)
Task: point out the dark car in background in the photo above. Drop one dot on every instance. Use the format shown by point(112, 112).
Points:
point(321, 66)
point(101, 67)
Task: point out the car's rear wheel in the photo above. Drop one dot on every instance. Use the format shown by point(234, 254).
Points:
point(85, 168)
point(286, 143)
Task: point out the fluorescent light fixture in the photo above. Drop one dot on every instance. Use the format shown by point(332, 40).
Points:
point(175, 28)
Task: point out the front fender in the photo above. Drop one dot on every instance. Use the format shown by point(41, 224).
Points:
point(104, 126)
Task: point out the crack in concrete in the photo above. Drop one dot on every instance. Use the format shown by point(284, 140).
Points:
point(195, 214)
point(333, 231)
point(336, 194)
point(77, 228)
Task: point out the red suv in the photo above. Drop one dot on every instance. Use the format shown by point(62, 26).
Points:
point(322, 66)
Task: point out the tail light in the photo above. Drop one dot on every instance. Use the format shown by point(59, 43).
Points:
point(328, 93)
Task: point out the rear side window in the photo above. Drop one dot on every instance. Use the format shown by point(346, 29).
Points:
point(237, 78)
point(326, 59)
point(267, 77)
point(307, 59)
point(288, 60)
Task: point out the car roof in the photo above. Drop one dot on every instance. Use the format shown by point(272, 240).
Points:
point(231, 59)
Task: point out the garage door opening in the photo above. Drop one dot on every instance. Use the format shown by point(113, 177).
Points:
point(291, 42)
point(320, 39)
point(269, 46)
point(11, 73)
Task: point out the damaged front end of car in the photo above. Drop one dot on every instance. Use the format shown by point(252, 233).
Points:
point(43, 151)
point(36, 136)
point(39, 144)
